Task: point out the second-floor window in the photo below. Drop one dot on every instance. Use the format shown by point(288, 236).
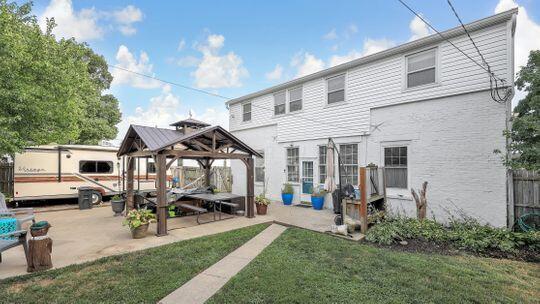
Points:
point(279, 103)
point(335, 89)
point(421, 68)
point(246, 111)
point(295, 99)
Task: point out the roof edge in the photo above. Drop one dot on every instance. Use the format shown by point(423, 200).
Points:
point(419, 43)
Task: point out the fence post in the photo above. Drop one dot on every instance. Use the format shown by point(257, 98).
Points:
point(363, 201)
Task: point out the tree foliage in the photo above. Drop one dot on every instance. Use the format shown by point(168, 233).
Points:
point(525, 133)
point(50, 90)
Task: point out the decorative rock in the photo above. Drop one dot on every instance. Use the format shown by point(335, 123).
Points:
point(404, 243)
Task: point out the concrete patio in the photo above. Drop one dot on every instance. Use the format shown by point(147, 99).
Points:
point(84, 235)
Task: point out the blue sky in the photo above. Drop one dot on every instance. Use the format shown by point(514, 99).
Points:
point(236, 47)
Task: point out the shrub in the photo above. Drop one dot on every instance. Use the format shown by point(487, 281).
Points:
point(287, 189)
point(465, 234)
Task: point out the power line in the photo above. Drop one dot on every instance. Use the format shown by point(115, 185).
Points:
point(311, 120)
point(447, 40)
point(494, 92)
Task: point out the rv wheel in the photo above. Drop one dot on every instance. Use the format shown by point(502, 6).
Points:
point(96, 198)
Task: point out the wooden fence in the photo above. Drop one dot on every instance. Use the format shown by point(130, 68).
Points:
point(221, 177)
point(6, 179)
point(526, 186)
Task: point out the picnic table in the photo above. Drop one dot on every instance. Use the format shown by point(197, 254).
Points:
point(216, 199)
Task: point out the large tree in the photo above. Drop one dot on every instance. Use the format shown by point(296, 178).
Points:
point(525, 133)
point(50, 90)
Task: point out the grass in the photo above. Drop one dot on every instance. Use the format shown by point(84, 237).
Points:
point(140, 277)
point(307, 267)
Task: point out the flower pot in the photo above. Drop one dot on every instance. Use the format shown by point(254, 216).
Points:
point(287, 198)
point(317, 202)
point(261, 209)
point(118, 206)
point(139, 232)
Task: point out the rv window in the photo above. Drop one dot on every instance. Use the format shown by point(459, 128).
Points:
point(92, 166)
point(151, 168)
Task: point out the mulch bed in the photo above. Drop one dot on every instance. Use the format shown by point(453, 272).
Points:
point(421, 246)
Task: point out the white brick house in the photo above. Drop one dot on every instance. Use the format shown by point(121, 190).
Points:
point(423, 104)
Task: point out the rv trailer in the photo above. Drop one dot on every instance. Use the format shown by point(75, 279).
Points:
point(58, 171)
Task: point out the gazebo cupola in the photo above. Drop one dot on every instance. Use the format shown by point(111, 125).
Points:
point(189, 125)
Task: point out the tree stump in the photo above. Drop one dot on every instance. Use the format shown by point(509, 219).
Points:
point(421, 202)
point(39, 253)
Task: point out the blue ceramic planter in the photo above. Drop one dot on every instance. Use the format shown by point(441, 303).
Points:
point(317, 202)
point(287, 198)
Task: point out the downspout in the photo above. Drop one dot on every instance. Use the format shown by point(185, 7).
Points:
point(510, 215)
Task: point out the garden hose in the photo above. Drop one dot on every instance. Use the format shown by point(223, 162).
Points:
point(528, 217)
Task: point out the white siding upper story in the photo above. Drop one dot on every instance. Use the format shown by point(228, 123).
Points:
point(382, 82)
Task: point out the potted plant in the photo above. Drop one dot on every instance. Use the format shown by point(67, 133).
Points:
point(287, 194)
point(261, 202)
point(138, 220)
point(118, 204)
point(317, 198)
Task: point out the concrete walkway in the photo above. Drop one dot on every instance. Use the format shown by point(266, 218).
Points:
point(203, 286)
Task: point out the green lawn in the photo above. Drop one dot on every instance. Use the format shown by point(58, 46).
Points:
point(308, 267)
point(140, 277)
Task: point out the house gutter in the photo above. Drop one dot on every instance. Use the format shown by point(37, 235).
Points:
point(432, 39)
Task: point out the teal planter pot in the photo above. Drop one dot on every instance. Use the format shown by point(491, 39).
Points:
point(317, 202)
point(287, 198)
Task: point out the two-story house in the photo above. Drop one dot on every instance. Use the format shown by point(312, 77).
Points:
point(423, 110)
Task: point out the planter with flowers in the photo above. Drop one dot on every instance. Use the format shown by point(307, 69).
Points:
point(138, 221)
point(317, 198)
point(261, 203)
point(287, 194)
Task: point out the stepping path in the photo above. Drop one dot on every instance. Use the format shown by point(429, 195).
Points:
point(203, 286)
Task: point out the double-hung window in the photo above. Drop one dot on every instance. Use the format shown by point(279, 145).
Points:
point(421, 68)
point(395, 163)
point(259, 168)
point(349, 159)
point(246, 111)
point(335, 89)
point(322, 164)
point(293, 164)
point(295, 99)
point(279, 103)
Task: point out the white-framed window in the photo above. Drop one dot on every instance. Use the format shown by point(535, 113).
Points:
point(322, 164)
point(335, 89)
point(246, 111)
point(259, 168)
point(421, 68)
point(349, 159)
point(395, 164)
point(280, 99)
point(307, 177)
point(293, 164)
point(295, 99)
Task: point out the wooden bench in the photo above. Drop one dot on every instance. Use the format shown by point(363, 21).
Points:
point(193, 208)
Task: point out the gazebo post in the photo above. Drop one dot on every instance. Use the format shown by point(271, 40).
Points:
point(161, 176)
point(250, 187)
point(129, 184)
point(207, 172)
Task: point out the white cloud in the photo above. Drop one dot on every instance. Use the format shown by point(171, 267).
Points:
point(276, 73)
point(167, 108)
point(370, 46)
point(125, 59)
point(306, 64)
point(82, 25)
point(181, 45)
point(418, 29)
point(86, 24)
point(332, 35)
point(126, 17)
point(216, 70)
point(188, 61)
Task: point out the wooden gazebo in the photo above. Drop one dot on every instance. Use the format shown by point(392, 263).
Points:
point(191, 139)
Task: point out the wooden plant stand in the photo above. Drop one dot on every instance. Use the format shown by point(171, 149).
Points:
point(39, 253)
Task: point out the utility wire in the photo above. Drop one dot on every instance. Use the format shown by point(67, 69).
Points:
point(311, 120)
point(494, 92)
point(447, 40)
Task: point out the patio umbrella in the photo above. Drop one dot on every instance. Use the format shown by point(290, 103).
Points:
point(329, 182)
